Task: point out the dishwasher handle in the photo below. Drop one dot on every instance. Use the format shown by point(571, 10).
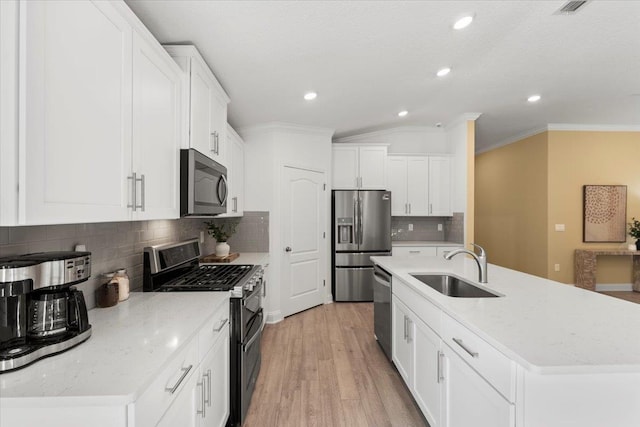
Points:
point(381, 276)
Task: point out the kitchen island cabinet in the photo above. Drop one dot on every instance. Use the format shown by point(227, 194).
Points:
point(540, 354)
point(157, 356)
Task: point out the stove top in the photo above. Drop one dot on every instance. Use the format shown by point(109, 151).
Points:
point(218, 277)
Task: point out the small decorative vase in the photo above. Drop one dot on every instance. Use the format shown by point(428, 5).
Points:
point(638, 244)
point(222, 249)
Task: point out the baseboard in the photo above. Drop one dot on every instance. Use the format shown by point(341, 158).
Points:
point(328, 299)
point(614, 287)
point(274, 317)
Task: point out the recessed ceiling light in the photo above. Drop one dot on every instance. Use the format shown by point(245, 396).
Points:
point(443, 72)
point(310, 96)
point(463, 22)
point(403, 113)
point(534, 98)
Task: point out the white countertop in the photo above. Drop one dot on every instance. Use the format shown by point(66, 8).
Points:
point(545, 326)
point(423, 243)
point(130, 344)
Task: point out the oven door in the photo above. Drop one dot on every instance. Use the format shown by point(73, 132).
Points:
point(250, 362)
point(251, 313)
point(203, 185)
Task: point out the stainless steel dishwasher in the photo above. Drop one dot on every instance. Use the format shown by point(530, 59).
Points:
point(382, 308)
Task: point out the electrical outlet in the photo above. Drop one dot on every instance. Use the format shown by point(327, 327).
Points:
point(201, 236)
point(559, 227)
point(439, 227)
point(556, 267)
point(410, 227)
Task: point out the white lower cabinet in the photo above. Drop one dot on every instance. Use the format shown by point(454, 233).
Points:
point(448, 390)
point(469, 399)
point(204, 400)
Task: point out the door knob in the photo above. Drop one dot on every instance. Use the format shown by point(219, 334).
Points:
point(287, 249)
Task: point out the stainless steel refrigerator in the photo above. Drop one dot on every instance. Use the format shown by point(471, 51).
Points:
point(361, 229)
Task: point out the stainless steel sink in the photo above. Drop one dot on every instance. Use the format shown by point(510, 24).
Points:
point(453, 286)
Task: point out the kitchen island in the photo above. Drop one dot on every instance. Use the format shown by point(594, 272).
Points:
point(142, 360)
point(541, 354)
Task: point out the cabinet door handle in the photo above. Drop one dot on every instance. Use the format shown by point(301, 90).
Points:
point(430, 208)
point(409, 337)
point(409, 208)
point(208, 398)
point(212, 142)
point(405, 328)
point(217, 143)
point(203, 400)
point(185, 372)
point(440, 367)
point(472, 353)
point(142, 191)
point(235, 204)
point(133, 191)
point(222, 323)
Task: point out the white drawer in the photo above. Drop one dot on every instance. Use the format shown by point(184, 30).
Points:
point(215, 325)
point(157, 398)
point(496, 368)
point(414, 251)
point(423, 309)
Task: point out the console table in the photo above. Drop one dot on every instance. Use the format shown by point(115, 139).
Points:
point(585, 266)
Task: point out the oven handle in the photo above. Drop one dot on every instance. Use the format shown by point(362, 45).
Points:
point(253, 338)
point(256, 290)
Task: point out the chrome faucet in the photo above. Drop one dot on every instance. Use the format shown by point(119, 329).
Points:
point(480, 259)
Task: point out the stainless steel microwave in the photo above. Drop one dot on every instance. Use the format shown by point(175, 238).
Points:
point(203, 185)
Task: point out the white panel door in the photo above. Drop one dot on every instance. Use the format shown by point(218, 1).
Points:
point(75, 147)
point(426, 375)
point(303, 223)
point(402, 345)
point(156, 131)
point(345, 168)
point(202, 96)
point(469, 400)
point(397, 184)
point(418, 186)
point(373, 167)
point(440, 186)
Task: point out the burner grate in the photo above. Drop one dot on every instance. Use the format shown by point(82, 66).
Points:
point(211, 277)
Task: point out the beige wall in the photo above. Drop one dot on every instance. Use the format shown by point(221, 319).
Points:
point(511, 205)
point(578, 158)
point(525, 188)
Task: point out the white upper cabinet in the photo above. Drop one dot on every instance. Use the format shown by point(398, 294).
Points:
point(156, 131)
point(75, 142)
point(205, 103)
point(359, 166)
point(420, 185)
point(440, 186)
point(235, 174)
point(100, 100)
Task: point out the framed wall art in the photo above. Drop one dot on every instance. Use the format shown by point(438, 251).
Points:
point(605, 213)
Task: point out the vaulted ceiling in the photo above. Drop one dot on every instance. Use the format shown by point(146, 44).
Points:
point(368, 60)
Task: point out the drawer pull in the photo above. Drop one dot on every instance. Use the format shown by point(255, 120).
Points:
point(222, 323)
point(473, 354)
point(185, 372)
point(414, 252)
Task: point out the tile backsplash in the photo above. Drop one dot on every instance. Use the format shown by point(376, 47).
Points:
point(120, 244)
point(426, 228)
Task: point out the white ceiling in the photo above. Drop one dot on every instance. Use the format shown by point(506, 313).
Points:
point(370, 59)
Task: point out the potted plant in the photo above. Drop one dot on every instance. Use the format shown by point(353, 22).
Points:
point(634, 231)
point(221, 231)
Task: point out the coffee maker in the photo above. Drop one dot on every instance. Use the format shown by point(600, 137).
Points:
point(41, 312)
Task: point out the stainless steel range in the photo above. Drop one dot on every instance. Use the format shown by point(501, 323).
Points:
point(175, 268)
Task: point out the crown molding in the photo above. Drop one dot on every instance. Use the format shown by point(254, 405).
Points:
point(462, 119)
point(593, 128)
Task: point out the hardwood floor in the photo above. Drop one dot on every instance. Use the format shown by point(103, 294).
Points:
point(323, 367)
point(628, 296)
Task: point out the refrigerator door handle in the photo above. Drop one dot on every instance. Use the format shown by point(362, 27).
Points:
point(354, 231)
point(361, 241)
